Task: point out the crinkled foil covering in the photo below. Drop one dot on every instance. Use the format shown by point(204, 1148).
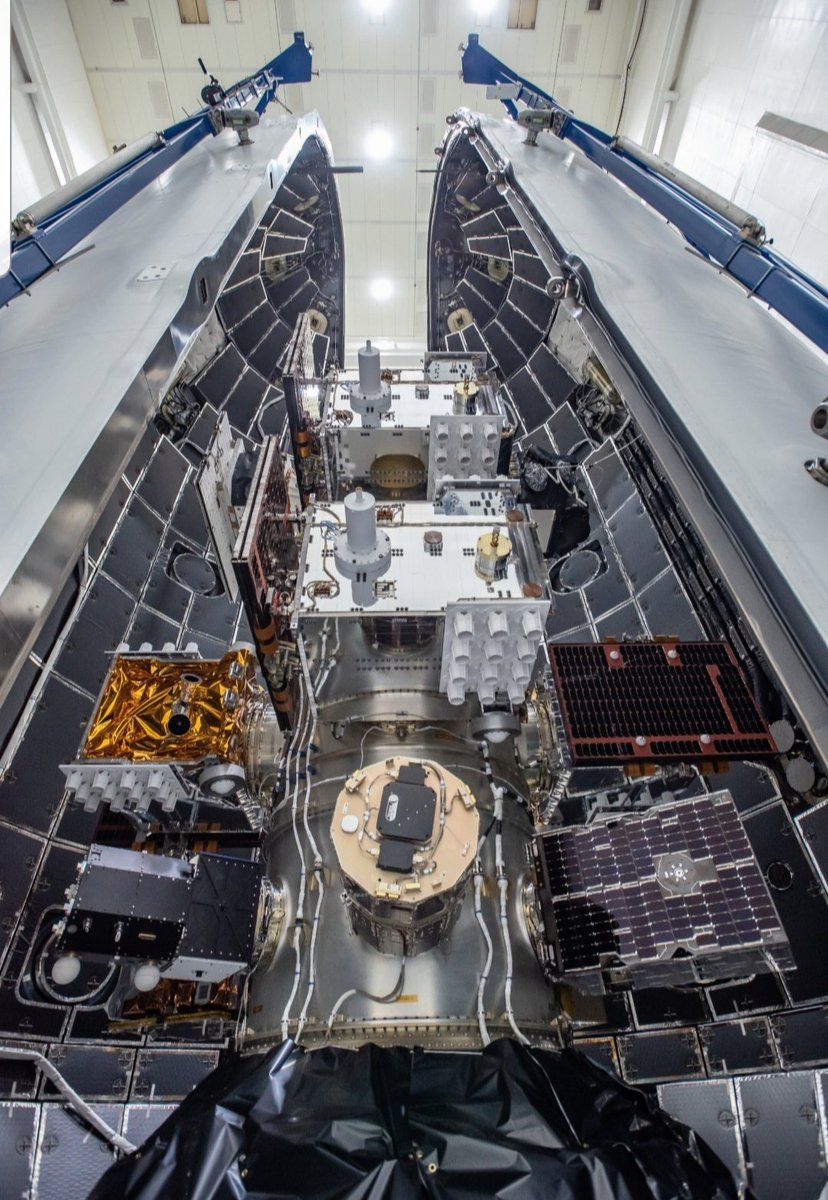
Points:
point(387, 1123)
point(131, 721)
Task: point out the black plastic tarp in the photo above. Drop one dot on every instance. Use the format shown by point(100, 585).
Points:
point(393, 1124)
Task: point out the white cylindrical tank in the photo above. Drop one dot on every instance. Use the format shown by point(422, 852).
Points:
point(362, 553)
point(361, 521)
point(370, 372)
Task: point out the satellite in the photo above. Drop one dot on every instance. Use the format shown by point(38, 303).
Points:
point(401, 738)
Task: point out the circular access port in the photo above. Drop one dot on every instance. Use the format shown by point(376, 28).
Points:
point(178, 724)
point(396, 474)
point(195, 572)
point(578, 570)
point(779, 875)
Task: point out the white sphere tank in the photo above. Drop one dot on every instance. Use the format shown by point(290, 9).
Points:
point(146, 977)
point(66, 969)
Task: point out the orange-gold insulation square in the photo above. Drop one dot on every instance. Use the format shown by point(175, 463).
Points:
point(131, 719)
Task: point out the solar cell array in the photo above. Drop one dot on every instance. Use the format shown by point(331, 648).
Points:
point(609, 901)
point(656, 701)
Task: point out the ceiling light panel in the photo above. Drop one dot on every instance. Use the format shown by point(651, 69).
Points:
point(381, 289)
point(378, 143)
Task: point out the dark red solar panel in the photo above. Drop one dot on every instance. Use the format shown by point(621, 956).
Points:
point(656, 701)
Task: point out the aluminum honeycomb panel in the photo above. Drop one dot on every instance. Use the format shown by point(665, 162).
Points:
point(665, 606)
point(96, 632)
point(133, 547)
point(142, 1120)
point(95, 1072)
point(813, 827)
point(601, 1051)
point(709, 1108)
point(665, 1055)
point(668, 1006)
point(762, 993)
point(214, 616)
point(150, 627)
point(31, 792)
point(503, 350)
point(163, 593)
point(19, 1080)
point(108, 519)
point(235, 305)
point(801, 1036)
point(245, 400)
point(738, 1047)
point(170, 1074)
point(18, 864)
point(69, 1159)
point(530, 268)
point(567, 432)
point(18, 1136)
point(623, 622)
point(164, 478)
point(783, 1141)
point(249, 332)
point(609, 478)
point(802, 907)
point(529, 399)
point(637, 543)
point(189, 520)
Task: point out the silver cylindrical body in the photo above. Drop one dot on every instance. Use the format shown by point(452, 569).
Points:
point(361, 521)
point(746, 222)
point(36, 213)
point(370, 372)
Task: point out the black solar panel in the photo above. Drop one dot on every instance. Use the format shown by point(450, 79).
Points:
point(552, 377)
point(530, 267)
point(503, 350)
point(288, 223)
point(495, 246)
point(478, 305)
point(682, 880)
point(472, 339)
point(487, 223)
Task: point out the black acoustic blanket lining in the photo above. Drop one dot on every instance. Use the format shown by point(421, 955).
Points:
point(393, 1124)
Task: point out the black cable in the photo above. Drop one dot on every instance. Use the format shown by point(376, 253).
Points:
point(628, 67)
